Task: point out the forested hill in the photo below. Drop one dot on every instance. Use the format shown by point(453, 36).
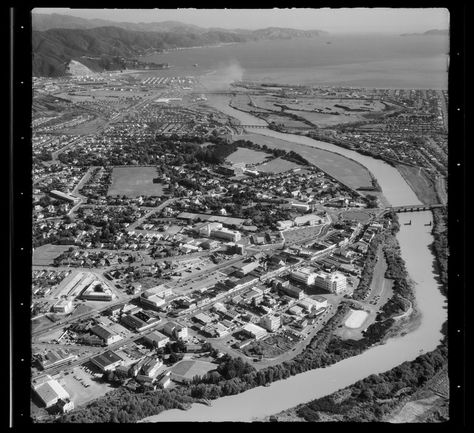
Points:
point(101, 47)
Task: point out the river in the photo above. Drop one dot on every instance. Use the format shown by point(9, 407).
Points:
point(414, 240)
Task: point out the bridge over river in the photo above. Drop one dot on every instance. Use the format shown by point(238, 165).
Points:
point(413, 208)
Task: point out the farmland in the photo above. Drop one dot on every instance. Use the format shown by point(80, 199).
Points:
point(134, 182)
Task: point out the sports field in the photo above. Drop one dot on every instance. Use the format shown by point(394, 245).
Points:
point(344, 169)
point(248, 156)
point(356, 319)
point(134, 182)
point(277, 165)
point(45, 254)
point(189, 369)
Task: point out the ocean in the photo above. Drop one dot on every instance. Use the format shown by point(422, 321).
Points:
point(417, 62)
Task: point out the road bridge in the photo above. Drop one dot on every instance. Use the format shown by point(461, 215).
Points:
point(412, 208)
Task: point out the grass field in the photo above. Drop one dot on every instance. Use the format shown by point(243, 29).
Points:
point(248, 156)
point(277, 165)
point(134, 181)
point(45, 254)
point(356, 319)
point(421, 184)
point(338, 166)
point(189, 369)
point(358, 215)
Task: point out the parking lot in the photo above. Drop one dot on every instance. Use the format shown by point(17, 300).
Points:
point(81, 387)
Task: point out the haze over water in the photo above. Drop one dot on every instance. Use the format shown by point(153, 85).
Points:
point(359, 61)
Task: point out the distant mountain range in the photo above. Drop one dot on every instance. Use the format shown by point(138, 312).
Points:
point(432, 32)
point(100, 44)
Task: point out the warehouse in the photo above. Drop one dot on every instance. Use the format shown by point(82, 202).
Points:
point(107, 361)
point(156, 339)
point(50, 392)
point(254, 331)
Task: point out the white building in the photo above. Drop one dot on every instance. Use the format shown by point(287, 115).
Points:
point(105, 335)
point(301, 207)
point(334, 282)
point(229, 235)
point(207, 228)
point(63, 306)
point(271, 323)
point(254, 331)
point(50, 391)
point(311, 305)
point(304, 275)
point(174, 329)
point(151, 300)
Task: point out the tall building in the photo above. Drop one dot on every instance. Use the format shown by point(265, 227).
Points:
point(224, 233)
point(304, 275)
point(271, 323)
point(334, 282)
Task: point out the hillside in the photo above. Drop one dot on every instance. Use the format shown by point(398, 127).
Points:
point(433, 32)
point(53, 49)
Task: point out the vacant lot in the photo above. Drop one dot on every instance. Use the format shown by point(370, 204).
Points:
point(277, 165)
point(45, 255)
point(303, 234)
point(248, 156)
point(421, 184)
point(134, 182)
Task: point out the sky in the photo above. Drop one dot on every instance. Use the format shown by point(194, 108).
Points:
point(345, 20)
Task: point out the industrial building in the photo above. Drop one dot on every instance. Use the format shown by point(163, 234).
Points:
point(151, 300)
point(156, 339)
point(139, 321)
point(63, 306)
point(107, 361)
point(174, 329)
point(63, 196)
point(254, 331)
point(50, 391)
point(97, 291)
point(105, 335)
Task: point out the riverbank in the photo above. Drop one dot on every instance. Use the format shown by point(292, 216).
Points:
point(425, 403)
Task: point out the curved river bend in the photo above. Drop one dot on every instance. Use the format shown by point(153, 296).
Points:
point(414, 240)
